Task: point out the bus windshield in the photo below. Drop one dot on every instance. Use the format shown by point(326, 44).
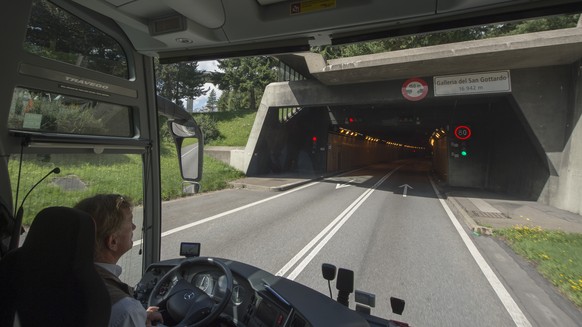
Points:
point(401, 151)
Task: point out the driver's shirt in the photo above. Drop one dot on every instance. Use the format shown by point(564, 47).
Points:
point(126, 312)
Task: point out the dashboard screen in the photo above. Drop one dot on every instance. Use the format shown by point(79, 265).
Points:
point(268, 314)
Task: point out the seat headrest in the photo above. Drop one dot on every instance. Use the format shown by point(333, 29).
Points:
point(51, 279)
point(68, 232)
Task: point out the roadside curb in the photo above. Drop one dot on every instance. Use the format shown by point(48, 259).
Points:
point(278, 188)
point(289, 186)
point(458, 210)
point(470, 222)
point(248, 186)
point(263, 185)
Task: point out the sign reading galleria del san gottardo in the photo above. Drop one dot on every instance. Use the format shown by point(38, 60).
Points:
point(474, 83)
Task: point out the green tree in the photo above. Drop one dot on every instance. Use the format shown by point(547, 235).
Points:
point(212, 102)
point(458, 35)
point(400, 43)
point(72, 40)
point(208, 126)
point(222, 103)
point(534, 25)
point(245, 76)
point(179, 81)
point(232, 101)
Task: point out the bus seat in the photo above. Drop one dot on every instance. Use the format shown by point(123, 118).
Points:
point(51, 279)
point(6, 227)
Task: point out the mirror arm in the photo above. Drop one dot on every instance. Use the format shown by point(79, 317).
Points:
point(182, 126)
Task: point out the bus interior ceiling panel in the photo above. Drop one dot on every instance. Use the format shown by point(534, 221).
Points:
point(174, 27)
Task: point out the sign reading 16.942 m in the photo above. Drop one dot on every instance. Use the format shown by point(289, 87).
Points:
point(474, 83)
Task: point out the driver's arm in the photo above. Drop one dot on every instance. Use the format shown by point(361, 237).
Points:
point(128, 312)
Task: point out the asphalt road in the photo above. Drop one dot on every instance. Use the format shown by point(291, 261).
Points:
point(386, 223)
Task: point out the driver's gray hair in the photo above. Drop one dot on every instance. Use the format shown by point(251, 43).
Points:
point(106, 211)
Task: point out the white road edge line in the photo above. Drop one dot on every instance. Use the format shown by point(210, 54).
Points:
point(220, 215)
point(512, 308)
point(226, 213)
point(335, 225)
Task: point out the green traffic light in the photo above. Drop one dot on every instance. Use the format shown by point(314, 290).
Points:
point(464, 153)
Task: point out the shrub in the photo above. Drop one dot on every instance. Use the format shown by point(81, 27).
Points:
point(208, 126)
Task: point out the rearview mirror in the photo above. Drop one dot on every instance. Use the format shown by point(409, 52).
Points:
point(190, 148)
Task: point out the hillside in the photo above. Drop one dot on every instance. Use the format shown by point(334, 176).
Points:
point(231, 128)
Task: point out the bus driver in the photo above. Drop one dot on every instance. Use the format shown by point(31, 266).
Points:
point(114, 232)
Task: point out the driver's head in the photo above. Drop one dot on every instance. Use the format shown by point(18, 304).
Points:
point(113, 218)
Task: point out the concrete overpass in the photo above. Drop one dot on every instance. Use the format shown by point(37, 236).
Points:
point(526, 140)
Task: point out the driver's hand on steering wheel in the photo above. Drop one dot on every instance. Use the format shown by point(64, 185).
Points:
point(153, 317)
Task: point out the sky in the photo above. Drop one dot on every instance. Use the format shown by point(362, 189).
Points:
point(212, 66)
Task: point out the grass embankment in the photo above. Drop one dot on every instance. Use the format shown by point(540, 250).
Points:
point(556, 255)
point(234, 127)
point(123, 174)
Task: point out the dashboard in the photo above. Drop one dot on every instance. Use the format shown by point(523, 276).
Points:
point(258, 298)
point(253, 302)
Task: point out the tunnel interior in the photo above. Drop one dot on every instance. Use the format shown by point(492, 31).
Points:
point(502, 154)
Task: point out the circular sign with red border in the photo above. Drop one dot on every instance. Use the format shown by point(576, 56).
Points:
point(462, 132)
point(415, 89)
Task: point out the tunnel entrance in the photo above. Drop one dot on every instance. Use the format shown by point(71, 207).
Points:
point(312, 142)
point(491, 158)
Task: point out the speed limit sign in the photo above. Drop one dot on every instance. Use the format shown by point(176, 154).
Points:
point(462, 132)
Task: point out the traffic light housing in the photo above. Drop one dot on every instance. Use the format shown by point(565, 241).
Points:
point(353, 120)
point(313, 144)
point(464, 152)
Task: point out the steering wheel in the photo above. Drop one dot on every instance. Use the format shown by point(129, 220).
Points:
point(185, 302)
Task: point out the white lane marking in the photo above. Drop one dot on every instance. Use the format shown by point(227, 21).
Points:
point(226, 213)
point(220, 215)
point(193, 149)
point(323, 237)
point(512, 308)
point(483, 206)
point(309, 245)
point(406, 186)
point(348, 184)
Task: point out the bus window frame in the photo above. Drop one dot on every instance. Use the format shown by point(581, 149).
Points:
point(145, 114)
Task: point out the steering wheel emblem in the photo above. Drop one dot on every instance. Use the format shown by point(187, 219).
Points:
point(189, 296)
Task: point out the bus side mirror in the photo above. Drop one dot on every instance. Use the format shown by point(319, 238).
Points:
point(190, 148)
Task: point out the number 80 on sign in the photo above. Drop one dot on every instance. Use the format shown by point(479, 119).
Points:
point(462, 132)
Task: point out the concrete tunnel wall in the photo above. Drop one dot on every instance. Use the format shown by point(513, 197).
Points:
point(550, 99)
point(529, 141)
point(566, 191)
point(546, 102)
point(537, 122)
point(267, 131)
point(521, 139)
point(345, 152)
point(502, 155)
point(289, 146)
